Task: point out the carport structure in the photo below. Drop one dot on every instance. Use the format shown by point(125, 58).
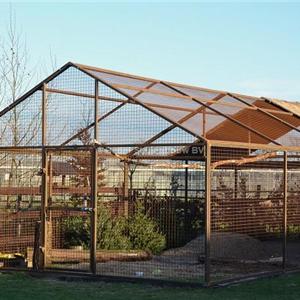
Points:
point(213, 169)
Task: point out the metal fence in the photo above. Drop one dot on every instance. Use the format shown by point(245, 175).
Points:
point(254, 208)
point(151, 223)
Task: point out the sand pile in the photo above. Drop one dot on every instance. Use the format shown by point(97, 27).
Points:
point(224, 246)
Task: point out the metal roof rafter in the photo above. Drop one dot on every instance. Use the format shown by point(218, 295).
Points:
point(36, 88)
point(162, 133)
point(225, 116)
point(264, 112)
point(139, 102)
point(99, 119)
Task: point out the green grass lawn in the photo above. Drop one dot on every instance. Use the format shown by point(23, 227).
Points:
point(21, 286)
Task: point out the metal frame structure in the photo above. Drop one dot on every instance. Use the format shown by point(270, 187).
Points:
point(229, 129)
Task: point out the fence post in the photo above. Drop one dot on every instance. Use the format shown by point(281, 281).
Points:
point(126, 189)
point(186, 195)
point(44, 187)
point(285, 210)
point(94, 192)
point(207, 213)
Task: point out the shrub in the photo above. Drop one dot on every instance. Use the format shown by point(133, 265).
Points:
point(143, 233)
point(138, 232)
point(76, 232)
point(111, 231)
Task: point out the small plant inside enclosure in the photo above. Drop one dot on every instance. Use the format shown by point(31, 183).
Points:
point(76, 232)
point(137, 232)
point(143, 232)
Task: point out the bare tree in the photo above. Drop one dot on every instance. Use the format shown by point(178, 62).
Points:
point(19, 126)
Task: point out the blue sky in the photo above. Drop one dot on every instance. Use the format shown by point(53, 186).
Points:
point(253, 48)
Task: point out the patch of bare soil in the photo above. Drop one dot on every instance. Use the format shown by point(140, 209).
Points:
point(187, 262)
point(224, 246)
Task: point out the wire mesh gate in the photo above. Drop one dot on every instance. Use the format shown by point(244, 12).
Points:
point(68, 212)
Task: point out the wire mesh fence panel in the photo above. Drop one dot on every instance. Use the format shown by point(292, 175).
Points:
point(246, 212)
point(20, 202)
point(68, 215)
point(150, 220)
point(293, 211)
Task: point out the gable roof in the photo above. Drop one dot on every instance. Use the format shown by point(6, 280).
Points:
point(207, 114)
point(210, 114)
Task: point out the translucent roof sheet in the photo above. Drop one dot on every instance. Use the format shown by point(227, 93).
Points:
point(218, 115)
point(148, 106)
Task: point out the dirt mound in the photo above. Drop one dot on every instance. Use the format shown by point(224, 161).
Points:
point(225, 246)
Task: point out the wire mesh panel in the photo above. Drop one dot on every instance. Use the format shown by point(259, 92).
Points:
point(150, 220)
point(293, 211)
point(20, 201)
point(246, 212)
point(22, 125)
point(69, 107)
point(68, 222)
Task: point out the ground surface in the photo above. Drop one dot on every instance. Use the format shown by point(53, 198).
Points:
point(230, 258)
point(23, 287)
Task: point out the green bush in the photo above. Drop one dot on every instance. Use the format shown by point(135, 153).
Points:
point(138, 232)
point(143, 233)
point(76, 232)
point(111, 231)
